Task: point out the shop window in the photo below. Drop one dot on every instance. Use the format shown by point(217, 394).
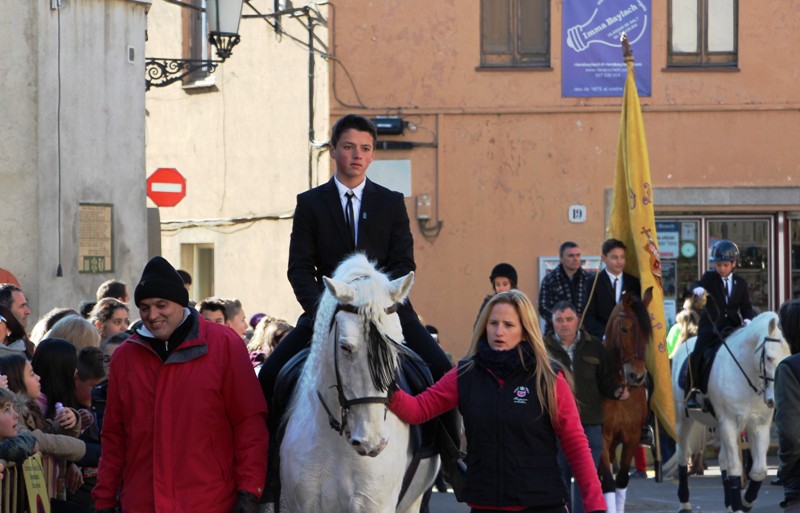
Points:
point(703, 33)
point(515, 33)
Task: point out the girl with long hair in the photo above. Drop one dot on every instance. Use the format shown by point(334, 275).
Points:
point(110, 316)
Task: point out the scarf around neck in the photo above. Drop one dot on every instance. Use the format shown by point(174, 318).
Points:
point(505, 363)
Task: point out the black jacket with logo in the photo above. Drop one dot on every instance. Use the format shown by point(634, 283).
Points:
point(512, 452)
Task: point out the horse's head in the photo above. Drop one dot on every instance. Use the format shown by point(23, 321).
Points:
point(627, 334)
point(365, 336)
point(771, 348)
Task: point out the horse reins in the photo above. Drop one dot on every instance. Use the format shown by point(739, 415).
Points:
point(344, 402)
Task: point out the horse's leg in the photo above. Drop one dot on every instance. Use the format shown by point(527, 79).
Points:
point(629, 446)
point(759, 443)
point(606, 479)
point(728, 433)
point(684, 427)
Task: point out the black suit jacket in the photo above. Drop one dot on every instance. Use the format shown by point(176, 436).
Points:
point(604, 300)
point(731, 313)
point(320, 238)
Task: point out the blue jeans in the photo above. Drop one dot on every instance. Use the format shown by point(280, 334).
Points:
point(594, 433)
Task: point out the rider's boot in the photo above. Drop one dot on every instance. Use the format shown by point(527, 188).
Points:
point(692, 402)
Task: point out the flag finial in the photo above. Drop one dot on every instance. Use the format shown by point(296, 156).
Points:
point(627, 52)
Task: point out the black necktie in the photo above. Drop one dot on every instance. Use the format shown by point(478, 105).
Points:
point(615, 290)
point(727, 291)
point(350, 217)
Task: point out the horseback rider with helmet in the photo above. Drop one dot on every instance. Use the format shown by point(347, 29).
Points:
point(728, 307)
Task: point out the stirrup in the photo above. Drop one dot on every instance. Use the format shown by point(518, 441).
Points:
point(692, 401)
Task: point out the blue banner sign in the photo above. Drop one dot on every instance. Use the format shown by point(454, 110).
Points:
point(592, 63)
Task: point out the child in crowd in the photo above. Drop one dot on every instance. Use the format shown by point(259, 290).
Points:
point(13, 447)
point(503, 278)
point(52, 437)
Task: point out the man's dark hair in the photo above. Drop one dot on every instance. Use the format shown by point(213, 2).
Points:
point(15, 329)
point(186, 277)
point(116, 338)
point(6, 294)
point(355, 121)
point(563, 305)
point(112, 288)
point(90, 363)
point(86, 307)
point(565, 246)
point(611, 244)
point(212, 304)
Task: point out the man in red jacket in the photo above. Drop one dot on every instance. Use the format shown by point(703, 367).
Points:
point(185, 422)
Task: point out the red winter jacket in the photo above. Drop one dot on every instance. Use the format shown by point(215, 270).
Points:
point(186, 434)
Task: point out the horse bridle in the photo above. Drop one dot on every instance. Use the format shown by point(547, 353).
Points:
point(344, 402)
point(635, 356)
point(762, 364)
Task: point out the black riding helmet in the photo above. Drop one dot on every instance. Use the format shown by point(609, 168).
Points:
point(724, 251)
point(506, 271)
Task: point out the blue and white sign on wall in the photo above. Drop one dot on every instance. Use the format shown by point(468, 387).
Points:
point(592, 62)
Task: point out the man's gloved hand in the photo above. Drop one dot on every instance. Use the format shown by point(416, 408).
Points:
point(246, 502)
point(699, 291)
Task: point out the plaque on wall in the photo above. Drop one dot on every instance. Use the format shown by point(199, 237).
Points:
point(95, 238)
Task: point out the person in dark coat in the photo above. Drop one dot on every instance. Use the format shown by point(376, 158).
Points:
point(349, 213)
point(612, 283)
point(728, 307)
point(787, 408)
point(584, 356)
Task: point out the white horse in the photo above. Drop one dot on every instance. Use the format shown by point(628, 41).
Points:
point(353, 360)
point(741, 391)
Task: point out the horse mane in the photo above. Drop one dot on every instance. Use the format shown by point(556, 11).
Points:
point(642, 315)
point(760, 324)
point(382, 340)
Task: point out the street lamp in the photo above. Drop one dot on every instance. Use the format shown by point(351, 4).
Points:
point(223, 32)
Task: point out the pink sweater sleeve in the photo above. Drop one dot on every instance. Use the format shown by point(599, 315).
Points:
point(576, 447)
point(434, 401)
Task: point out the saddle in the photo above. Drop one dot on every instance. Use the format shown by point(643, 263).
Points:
point(414, 377)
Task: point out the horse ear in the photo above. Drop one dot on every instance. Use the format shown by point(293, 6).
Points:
point(648, 296)
point(773, 323)
point(399, 288)
point(343, 292)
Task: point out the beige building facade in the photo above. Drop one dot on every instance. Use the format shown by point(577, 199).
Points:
point(72, 147)
point(245, 138)
point(502, 161)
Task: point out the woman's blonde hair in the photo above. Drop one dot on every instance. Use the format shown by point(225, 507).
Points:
point(77, 330)
point(543, 373)
point(267, 334)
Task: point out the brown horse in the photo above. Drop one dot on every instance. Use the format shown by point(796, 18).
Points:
point(627, 335)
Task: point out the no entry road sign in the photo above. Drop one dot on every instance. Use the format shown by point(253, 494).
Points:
point(166, 187)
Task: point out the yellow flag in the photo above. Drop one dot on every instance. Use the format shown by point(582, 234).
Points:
point(633, 222)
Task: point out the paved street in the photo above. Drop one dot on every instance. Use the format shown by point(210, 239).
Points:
point(645, 495)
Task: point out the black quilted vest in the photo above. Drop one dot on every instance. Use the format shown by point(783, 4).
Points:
point(512, 451)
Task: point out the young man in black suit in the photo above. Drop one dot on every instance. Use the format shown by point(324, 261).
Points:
point(323, 235)
point(728, 307)
point(612, 283)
